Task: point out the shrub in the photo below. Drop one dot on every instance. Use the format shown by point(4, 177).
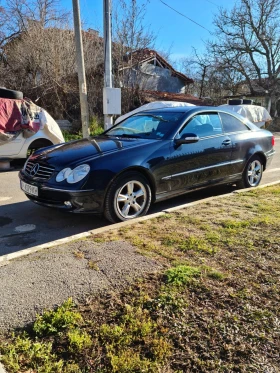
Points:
point(181, 275)
point(63, 317)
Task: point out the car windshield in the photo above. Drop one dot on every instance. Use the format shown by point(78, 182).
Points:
point(146, 126)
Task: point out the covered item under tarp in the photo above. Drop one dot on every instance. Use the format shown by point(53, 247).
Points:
point(256, 114)
point(18, 116)
point(26, 118)
point(153, 105)
point(49, 125)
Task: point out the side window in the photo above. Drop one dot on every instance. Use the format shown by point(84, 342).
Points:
point(232, 124)
point(206, 124)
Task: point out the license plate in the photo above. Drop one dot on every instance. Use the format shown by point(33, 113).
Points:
point(29, 189)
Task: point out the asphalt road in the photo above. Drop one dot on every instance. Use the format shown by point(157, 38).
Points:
point(24, 225)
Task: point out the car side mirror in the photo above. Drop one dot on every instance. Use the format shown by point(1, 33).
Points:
point(188, 138)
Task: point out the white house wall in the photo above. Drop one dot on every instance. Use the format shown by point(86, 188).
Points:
point(154, 78)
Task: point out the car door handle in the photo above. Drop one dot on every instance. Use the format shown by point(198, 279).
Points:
point(226, 142)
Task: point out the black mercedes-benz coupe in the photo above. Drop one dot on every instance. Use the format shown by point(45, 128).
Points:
point(148, 157)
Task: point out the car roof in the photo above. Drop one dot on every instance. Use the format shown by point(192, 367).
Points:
point(197, 109)
point(181, 109)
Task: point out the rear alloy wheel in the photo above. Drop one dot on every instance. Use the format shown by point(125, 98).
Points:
point(129, 197)
point(252, 174)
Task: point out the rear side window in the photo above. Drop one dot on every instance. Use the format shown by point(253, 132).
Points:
point(232, 124)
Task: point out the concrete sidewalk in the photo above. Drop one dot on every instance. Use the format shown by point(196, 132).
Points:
point(76, 267)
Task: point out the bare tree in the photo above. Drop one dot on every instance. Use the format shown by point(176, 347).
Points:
point(248, 42)
point(130, 34)
point(39, 51)
point(40, 60)
point(16, 16)
point(212, 79)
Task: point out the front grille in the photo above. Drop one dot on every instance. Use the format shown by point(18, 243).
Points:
point(38, 171)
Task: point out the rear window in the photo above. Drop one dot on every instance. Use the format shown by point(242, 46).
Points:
point(232, 124)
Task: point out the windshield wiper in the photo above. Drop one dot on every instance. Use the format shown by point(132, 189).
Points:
point(129, 135)
point(158, 117)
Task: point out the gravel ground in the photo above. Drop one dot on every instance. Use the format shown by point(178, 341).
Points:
point(45, 279)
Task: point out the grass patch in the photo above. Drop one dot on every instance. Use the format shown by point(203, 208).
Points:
point(214, 306)
point(93, 265)
point(79, 340)
point(53, 321)
point(79, 254)
point(181, 275)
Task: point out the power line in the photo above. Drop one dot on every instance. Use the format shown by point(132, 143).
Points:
point(211, 2)
point(183, 15)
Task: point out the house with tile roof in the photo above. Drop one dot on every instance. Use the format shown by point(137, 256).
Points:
point(148, 70)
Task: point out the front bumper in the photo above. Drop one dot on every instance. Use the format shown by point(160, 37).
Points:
point(77, 201)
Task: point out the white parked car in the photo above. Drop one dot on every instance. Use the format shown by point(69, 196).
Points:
point(18, 140)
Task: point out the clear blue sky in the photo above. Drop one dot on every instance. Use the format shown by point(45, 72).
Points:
point(172, 29)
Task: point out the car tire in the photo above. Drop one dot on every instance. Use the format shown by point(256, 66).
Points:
point(252, 173)
point(9, 93)
point(128, 197)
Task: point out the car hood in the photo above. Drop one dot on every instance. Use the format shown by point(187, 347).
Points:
point(85, 150)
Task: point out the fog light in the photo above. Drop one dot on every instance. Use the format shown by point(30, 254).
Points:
point(68, 204)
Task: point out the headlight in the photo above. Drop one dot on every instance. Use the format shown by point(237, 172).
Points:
point(78, 174)
point(63, 174)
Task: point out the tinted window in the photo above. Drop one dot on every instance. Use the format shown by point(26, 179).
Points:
point(207, 124)
point(232, 124)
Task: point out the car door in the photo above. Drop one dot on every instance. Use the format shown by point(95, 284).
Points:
point(205, 161)
point(241, 139)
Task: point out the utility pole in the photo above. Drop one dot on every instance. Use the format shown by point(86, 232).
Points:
point(81, 69)
point(107, 31)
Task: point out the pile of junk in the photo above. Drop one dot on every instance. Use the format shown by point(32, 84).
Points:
point(254, 113)
point(24, 127)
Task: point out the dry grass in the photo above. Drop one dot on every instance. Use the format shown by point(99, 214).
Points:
point(214, 307)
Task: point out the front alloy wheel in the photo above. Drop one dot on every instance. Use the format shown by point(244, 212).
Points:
point(129, 197)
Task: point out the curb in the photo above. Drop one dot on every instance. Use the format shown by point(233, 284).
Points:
point(6, 258)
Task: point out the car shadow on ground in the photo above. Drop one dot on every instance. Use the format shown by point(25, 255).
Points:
point(24, 225)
